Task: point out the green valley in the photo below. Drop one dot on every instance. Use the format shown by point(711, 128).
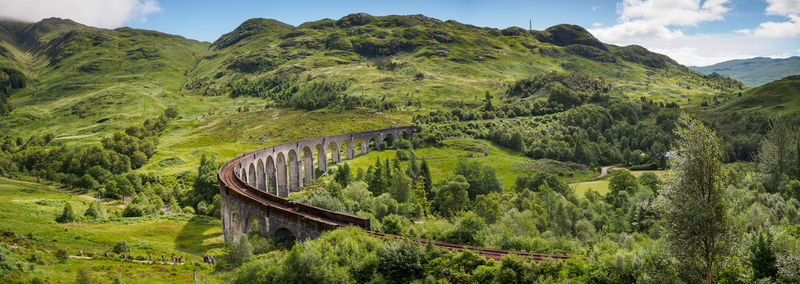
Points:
point(530, 141)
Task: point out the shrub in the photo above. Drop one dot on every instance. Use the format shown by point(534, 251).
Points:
point(67, 216)
point(121, 247)
point(188, 210)
point(62, 255)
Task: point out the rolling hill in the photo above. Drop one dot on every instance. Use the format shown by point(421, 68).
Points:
point(754, 71)
point(268, 82)
point(779, 96)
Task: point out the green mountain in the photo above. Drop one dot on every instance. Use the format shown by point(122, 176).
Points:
point(268, 82)
point(439, 63)
point(780, 96)
point(754, 71)
point(79, 80)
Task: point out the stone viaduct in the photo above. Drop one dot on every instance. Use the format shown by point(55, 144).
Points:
point(253, 187)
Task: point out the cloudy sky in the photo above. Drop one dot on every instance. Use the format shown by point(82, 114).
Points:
point(693, 32)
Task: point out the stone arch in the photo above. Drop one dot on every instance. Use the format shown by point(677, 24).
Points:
point(404, 134)
point(389, 139)
point(374, 143)
point(308, 165)
point(282, 180)
point(261, 176)
point(271, 185)
point(251, 174)
point(252, 224)
point(322, 158)
point(294, 170)
point(335, 151)
point(284, 235)
point(243, 176)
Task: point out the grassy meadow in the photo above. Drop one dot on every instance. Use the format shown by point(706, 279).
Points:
point(30, 211)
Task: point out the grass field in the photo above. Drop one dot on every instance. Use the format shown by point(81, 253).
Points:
point(601, 186)
point(442, 160)
point(31, 211)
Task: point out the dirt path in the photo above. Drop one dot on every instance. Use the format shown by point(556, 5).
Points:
point(64, 190)
point(604, 171)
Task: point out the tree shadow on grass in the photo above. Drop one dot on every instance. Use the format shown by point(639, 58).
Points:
point(193, 237)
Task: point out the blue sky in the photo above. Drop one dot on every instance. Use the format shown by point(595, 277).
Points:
point(694, 32)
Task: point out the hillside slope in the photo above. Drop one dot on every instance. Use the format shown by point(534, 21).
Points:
point(754, 71)
point(780, 96)
point(406, 59)
point(267, 82)
point(82, 81)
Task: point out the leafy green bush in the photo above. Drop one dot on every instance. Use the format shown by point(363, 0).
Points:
point(67, 216)
point(121, 247)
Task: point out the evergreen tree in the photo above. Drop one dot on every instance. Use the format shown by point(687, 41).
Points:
point(762, 257)
point(206, 185)
point(421, 195)
point(67, 216)
point(377, 181)
point(425, 173)
point(487, 102)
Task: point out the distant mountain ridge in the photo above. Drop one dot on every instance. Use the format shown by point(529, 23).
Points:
point(756, 71)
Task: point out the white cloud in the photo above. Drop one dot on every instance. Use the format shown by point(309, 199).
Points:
point(597, 24)
point(98, 13)
point(595, 8)
point(790, 28)
point(776, 29)
point(658, 19)
point(783, 7)
point(702, 50)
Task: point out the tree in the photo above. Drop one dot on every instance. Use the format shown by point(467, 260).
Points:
point(343, 175)
point(121, 247)
point(95, 211)
point(67, 216)
point(698, 228)
point(206, 184)
point(777, 158)
point(425, 172)
point(401, 187)
point(651, 181)
point(517, 143)
point(762, 257)
point(377, 182)
point(488, 207)
point(451, 196)
point(87, 181)
point(421, 196)
point(394, 224)
point(241, 251)
point(173, 205)
point(621, 180)
point(487, 102)
point(138, 159)
point(481, 178)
